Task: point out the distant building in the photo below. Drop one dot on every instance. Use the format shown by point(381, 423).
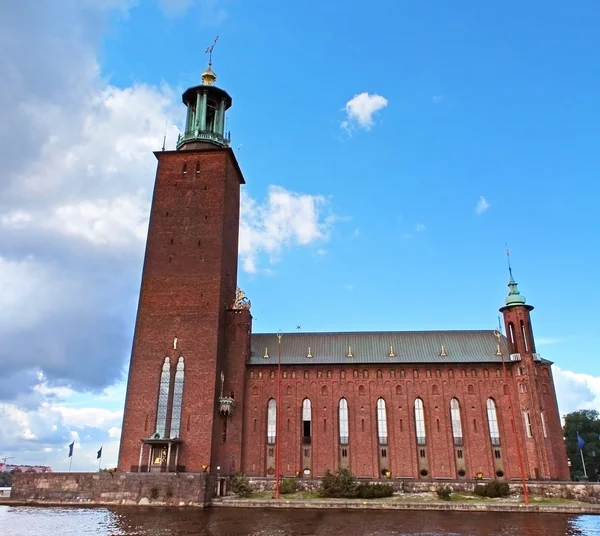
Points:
point(7, 467)
point(203, 389)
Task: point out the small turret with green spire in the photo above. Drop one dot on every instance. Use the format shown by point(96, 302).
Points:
point(514, 296)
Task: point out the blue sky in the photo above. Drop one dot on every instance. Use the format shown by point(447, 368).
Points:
point(390, 151)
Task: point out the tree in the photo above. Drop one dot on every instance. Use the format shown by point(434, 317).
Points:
point(587, 423)
point(5, 480)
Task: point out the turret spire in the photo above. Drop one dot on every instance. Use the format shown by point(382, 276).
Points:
point(514, 296)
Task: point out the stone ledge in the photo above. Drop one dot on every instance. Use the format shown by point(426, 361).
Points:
point(434, 505)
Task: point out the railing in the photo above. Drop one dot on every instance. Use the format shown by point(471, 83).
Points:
point(158, 468)
point(203, 135)
point(515, 357)
point(343, 440)
point(421, 441)
point(495, 441)
point(306, 440)
point(537, 357)
point(458, 442)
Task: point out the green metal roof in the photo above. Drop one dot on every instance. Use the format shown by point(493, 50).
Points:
point(375, 347)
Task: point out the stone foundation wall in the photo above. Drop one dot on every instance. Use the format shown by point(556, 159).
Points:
point(579, 491)
point(184, 489)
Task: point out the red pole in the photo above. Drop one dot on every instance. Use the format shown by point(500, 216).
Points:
point(278, 418)
point(514, 425)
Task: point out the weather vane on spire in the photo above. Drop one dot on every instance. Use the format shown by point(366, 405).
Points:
point(209, 51)
point(508, 260)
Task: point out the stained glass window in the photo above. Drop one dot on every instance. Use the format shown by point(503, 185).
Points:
point(382, 432)
point(456, 424)
point(271, 421)
point(177, 399)
point(493, 422)
point(163, 398)
point(419, 422)
point(343, 413)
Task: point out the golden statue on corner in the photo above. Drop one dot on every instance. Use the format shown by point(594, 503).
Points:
point(241, 301)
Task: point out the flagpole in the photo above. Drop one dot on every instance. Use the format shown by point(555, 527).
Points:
point(580, 445)
point(70, 462)
point(583, 462)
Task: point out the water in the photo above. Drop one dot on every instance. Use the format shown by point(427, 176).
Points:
point(38, 521)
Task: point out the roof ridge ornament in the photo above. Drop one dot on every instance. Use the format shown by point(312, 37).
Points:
point(309, 354)
point(443, 352)
point(209, 77)
point(266, 356)
point(350, 354)
point(392, 354)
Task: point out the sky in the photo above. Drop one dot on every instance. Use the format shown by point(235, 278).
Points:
point(390, 151)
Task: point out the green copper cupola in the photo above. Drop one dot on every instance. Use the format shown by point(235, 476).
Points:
point(514, 296)
point(206, 106)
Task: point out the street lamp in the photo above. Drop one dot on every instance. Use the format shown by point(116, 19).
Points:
point(278, 417)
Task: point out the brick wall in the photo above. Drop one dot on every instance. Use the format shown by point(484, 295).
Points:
point(117, 488)
point(472, 385)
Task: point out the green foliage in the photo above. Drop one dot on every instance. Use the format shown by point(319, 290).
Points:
point(342, 484)
point(374, 491)
point(154, 492)
point(587, 423)
point(240, 485)
point(492, 489)
point(288, 485)
point(444, 492)
point(6, 480)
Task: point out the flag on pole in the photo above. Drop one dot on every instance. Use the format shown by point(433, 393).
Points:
point(580, 442)
point(71, 446)
point(99, 455)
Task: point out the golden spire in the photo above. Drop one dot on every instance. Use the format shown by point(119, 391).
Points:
point(209, 77)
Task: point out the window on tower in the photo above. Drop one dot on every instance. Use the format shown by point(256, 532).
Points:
point(306, 421)
point(493, 422)
point(420, 422)
point(382, 433)
point(177, 398)
point(163, 398)
point(343, 418)
point(271, 421)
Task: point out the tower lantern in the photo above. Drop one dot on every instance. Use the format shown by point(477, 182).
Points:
point(206, 106)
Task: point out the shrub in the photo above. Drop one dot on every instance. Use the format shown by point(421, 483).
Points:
point(154, 492)
point(492, 489)
point(288, 485)
point(169, 493)
point(342, 484)
point(374, 491)
point(240, 485)
point(444, 492)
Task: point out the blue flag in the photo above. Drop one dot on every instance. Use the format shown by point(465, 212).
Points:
point(580, 442)
point(71, 446)
point(99, 455)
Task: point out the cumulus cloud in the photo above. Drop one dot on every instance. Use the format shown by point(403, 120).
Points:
point(283, 220)
point(361, 109)
point(576, 390)
point(482, 205)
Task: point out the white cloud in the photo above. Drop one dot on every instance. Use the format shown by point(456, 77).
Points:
point(482, 205)
point(283, 220)
point(419, 227)
point(545, 341)
point(576, 390)
point(437, 99)
point(360, 110)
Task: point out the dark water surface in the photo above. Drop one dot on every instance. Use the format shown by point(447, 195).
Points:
point(30, 521)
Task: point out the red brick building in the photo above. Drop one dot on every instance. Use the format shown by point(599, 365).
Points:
point(203, 389)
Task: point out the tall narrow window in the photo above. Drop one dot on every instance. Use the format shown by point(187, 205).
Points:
point(456, 424)
point(524, 335)
point(343, 414)
point(511, 338)
point(544, 431)
point(382, 432)
point(493, 421)
point(163, 398)
point(528, 427)
point(420, 422)
point(271, 421)
point(177, 399)
point(306, 421)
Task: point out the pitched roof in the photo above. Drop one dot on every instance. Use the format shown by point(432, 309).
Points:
point(375, 347)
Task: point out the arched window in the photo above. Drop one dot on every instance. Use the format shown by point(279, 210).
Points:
point(493, 422)
point(382, 433)
point(306, 421)
point(470, 389)
point(419, 422)
point(163, 398)
point(456, 424)
point(398, 389)
point(271, 421)
point(361, 390)
point(343, 415)
point(511, 338)
point(324, 390)
point(435, 390)
point(177, 399)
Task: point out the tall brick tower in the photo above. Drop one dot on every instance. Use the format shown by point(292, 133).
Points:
point(176, 409)
point(537, 415)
